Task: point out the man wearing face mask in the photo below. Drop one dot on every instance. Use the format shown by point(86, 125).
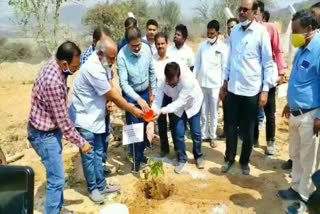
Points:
point(186, 95)
point(303, 110)
point(90, 94)
point(49, 120)
point(211, 61)
point(136, 72)
point(248, 78)
point(180, 50)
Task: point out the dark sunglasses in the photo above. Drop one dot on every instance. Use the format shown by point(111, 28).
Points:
point(244, 9)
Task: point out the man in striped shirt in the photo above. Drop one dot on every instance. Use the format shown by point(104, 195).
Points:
point(49, 120)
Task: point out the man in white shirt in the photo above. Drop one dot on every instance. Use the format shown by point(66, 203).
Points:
point(230, 25)
point(248, 78)
point(180, 50)
point(88, 108)
point(161, 58)
point(151, 31)
point(187, 99)
point(210, 63)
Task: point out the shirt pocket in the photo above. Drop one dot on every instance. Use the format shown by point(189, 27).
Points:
point(307, 74)
point(250, 51)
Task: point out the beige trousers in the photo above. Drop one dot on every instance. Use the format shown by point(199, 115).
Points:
point(304, 152)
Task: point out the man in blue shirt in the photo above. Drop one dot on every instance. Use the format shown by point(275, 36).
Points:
point(303, 110)
point(136, 72)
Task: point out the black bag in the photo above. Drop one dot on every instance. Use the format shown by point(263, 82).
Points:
point(16, 189)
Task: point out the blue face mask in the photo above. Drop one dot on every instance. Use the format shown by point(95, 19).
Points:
point(68, 72)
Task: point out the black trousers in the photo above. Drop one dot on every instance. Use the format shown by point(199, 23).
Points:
point(270, 112)
point(240, 111)
point(162, 126)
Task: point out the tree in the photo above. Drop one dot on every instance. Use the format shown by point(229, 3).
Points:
point(208, 9)
point(114, 14)
point(37, 16)
point(169, 14)
point(203, 10)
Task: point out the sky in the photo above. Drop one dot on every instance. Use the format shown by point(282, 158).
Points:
point(186, 6)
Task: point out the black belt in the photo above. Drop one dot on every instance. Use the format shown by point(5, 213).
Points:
point(301, 111)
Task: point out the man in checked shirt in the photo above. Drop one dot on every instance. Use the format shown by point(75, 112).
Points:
point(49, 120)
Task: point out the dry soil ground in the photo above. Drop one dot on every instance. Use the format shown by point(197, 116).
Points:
point(195, 192)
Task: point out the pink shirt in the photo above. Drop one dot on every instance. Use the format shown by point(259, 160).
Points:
point(277, 53)
point(49, 104)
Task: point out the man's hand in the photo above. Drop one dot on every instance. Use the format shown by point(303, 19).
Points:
point(109, 107)
point(223, 91)
point(316, 127)
point(281, 80)
point(150, 131)
point(137, 113)
point(86, 148)
point(156, 115)
point(144, 105)
point(286, 112)
point(263, 99)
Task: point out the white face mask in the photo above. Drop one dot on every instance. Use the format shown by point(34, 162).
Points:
point(212, 41)
point(105, 64)
point(245, 23)
point(137, 54)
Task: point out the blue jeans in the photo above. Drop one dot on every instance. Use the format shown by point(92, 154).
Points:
point(179, 129)
point(106, 143)
point(92, 162)
point(261, 114)
point(130, 119)
point(48, 146)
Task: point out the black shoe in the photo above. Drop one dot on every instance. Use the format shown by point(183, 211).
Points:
point(287, 165)
point(135, 168)
point(245, 169)
point(222, 136)
point(289, 195)
point(226, 167)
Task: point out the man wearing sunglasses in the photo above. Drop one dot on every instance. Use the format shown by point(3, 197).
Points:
point(248, 78)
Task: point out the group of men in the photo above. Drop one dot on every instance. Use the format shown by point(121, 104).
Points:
point(243, 71)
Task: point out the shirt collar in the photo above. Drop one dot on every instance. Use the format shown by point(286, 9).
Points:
point(58, 69)
point(157, 57)
point(313, 43)
point(216, 43)
point(252, 27)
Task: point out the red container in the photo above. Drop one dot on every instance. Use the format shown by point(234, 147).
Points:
point(149, 116)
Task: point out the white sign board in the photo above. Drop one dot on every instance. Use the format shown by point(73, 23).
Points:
point(132, 133)
point(282, 90)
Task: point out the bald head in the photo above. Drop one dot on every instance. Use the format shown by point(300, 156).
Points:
point(106, 47)
point(247, 10)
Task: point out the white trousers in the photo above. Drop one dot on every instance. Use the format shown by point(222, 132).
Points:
point(209, 112)
point(304, 152)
